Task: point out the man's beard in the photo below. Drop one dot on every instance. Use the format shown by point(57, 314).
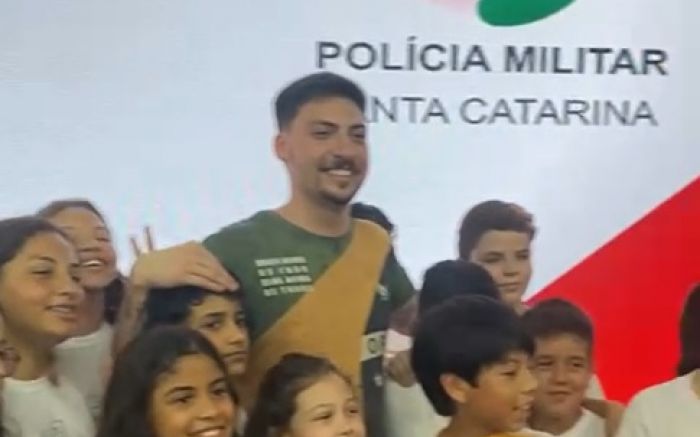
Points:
point(337, 201)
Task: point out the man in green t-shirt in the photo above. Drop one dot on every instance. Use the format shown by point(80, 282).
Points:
point(311, 245)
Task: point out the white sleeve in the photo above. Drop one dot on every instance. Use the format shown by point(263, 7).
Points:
point(634, 422)
point(595, 389)
point(409, 413)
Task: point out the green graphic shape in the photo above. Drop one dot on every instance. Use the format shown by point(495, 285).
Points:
point(518, 12)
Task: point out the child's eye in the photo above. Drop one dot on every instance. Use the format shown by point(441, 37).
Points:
point(241, 322)
point(323, 417)
point(212, 325)
point(181, 400)
point(220, 392)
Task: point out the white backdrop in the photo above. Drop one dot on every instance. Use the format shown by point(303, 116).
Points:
point(160, 111)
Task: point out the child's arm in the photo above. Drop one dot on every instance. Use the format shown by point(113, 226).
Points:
point(610, 411)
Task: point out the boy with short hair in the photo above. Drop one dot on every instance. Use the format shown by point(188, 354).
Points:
point(220, 317)
point(451, 278)
point(497, 235)
point(563, 365)
point(409, 413)
point(470, 355)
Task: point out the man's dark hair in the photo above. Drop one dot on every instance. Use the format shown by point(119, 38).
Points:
point(462, 337)
point(492, 215)
point(555, 317)
point(451, 278)
point(315, 87)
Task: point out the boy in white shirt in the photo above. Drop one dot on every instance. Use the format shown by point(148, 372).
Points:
point(409, 413)
point(471, 356)
point(498, 236)
point(563, 365)
point(672, 409)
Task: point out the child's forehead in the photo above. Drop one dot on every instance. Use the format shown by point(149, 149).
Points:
point(562, 341)
point(513, 357)
point(511, 361)
point(217, 302)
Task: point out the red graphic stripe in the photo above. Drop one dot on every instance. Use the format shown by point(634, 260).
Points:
point(633, 288)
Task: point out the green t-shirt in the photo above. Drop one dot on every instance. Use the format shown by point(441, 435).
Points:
point(276, 262)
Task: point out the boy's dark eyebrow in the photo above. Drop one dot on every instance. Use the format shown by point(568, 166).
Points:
point(214, 315)
point(323, 123)
point(492, 253)
point(577, 358)
point(542, 357)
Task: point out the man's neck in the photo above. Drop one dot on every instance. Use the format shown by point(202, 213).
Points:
point(554, 425)
point(317, 219)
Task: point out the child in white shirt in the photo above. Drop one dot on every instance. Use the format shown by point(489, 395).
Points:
point(84, 358)
point(40, 298)
point(672, 409)
point(563, 365)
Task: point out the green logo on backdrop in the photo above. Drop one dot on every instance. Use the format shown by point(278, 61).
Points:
point(519, 12)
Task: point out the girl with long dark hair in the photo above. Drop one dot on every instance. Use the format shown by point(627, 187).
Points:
point(85, 358)
point(40, 298)
point(169, 382)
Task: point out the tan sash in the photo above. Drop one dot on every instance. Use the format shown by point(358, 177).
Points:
point(330, 319)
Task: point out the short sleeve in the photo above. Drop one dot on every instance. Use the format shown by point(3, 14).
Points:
point(401, 289)
point(633, 422)
point(231, 246)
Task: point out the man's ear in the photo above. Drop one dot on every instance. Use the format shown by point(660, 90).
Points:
point(281, 146)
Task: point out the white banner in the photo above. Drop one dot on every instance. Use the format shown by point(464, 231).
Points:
point(160, 111)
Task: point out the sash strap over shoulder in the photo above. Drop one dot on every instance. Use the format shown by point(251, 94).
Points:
point(330, 319)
